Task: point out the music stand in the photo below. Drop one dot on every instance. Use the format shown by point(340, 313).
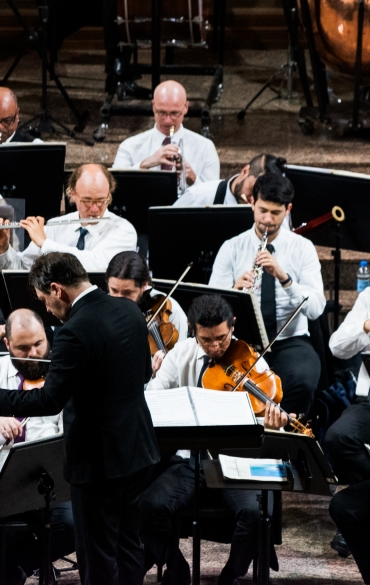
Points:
point(33, 172)
point(309, 473)
point(194, 234)
point(206, 437)
point(249, 324)
point(32, 478)
point(14, 294)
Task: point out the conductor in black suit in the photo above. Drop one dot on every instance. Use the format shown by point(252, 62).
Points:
point(99, 365)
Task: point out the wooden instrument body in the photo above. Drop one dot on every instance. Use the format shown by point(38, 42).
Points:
point(335, 27)
point(162, 333)
point(235, 362)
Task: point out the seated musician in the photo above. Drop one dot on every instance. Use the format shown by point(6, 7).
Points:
point(347, 439)
point(25, 338)
point(128, 276)
point(236, 190)
point(153, 149)
point(90, 189)
point(9, 119)
point(211, 321)
point(291, 273)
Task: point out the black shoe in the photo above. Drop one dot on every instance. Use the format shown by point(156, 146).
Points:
point(20, 577)
point(183, 576)
point(339, 544)
point(227, 577)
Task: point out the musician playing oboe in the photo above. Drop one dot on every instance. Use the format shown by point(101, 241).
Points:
point(291, 272)
point(90, 189)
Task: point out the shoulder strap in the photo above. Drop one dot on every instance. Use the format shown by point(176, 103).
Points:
point(220, 193)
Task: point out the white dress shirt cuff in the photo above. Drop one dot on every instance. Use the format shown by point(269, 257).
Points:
point(137, 165)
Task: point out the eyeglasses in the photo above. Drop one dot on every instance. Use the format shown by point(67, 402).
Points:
point(172, 115)
point(221, 341)
point(8, 121)
point(97, 202)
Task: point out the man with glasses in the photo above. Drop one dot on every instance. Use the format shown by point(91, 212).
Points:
point(90, 189)
point(211, 321)
point(9, 119)
point(154, 149)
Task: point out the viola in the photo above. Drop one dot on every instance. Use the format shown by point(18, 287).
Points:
point(234, 371)
point(162, 333)
point(29, 384)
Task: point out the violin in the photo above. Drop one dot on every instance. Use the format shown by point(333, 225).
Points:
point(30, 384)
point(162, 333)
point(234, 371)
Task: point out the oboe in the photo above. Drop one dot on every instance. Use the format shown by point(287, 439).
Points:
point(257, 269)
point(16, 224)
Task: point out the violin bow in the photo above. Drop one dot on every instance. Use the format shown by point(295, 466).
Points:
point(23, 423)
point(170, 293)
point(271, 343)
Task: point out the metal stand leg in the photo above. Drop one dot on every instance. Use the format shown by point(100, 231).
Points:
point(337, 259)
point(196, 526)
point(264, 543)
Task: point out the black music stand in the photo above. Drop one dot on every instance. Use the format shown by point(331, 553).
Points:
point(34, 172)
point(308, 472)
point(32, 478)
point(14, 294)
point(206, 437)
point(194, 234)
point(249, 324)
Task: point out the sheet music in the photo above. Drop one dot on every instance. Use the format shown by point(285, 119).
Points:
point(170, 408)
point(222, 408)
point(240, 468)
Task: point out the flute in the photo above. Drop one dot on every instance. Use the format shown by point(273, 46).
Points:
point(16, 224)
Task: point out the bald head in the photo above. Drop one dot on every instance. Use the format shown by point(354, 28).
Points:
point(169, 105)
point(9, 113)
point(90, 188)
point(23, 322)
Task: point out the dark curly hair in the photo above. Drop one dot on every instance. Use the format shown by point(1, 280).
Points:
point(58, 267)
point(274, 187)
point(209, 311)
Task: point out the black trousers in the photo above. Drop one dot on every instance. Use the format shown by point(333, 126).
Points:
point(350, 510)
point(26, 551)
point(107, 527)
point(345, 444)
point(174, 490)
point(298, 365)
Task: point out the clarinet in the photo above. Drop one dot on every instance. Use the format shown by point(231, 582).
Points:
point(257, 269)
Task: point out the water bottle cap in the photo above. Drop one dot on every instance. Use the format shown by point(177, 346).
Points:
point(363, 263)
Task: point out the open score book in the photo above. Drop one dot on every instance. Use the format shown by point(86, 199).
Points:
point(189, 406)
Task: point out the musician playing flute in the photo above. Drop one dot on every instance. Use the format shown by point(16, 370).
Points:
point(291, 272)
point(155, 150)
point(90, 189)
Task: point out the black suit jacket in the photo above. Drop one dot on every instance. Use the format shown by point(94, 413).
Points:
point(19, 136)
point(99, 365)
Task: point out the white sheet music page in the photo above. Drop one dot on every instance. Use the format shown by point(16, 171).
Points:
point(170, 408)
point(222, 408)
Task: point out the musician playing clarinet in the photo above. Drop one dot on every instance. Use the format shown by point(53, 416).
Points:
point(154, 149)
point(94, 244)
point(290, 272)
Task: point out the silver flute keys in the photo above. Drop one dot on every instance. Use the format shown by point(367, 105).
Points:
point(257, 269)
point(15, 224)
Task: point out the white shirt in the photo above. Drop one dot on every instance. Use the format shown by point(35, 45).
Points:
point(199, 152)
point(38, 427)
point(350, 338)
point(296, 256)
point(203, 194)
point(103, 241)
point(177, 317)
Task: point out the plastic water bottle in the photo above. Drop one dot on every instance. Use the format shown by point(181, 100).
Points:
point(363, 276)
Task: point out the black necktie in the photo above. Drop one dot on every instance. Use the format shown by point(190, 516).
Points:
point(165, 167)
point(204, 367)
point(81, 240)
point(268, 301)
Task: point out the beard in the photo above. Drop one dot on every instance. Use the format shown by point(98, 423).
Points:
point(32, 370)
